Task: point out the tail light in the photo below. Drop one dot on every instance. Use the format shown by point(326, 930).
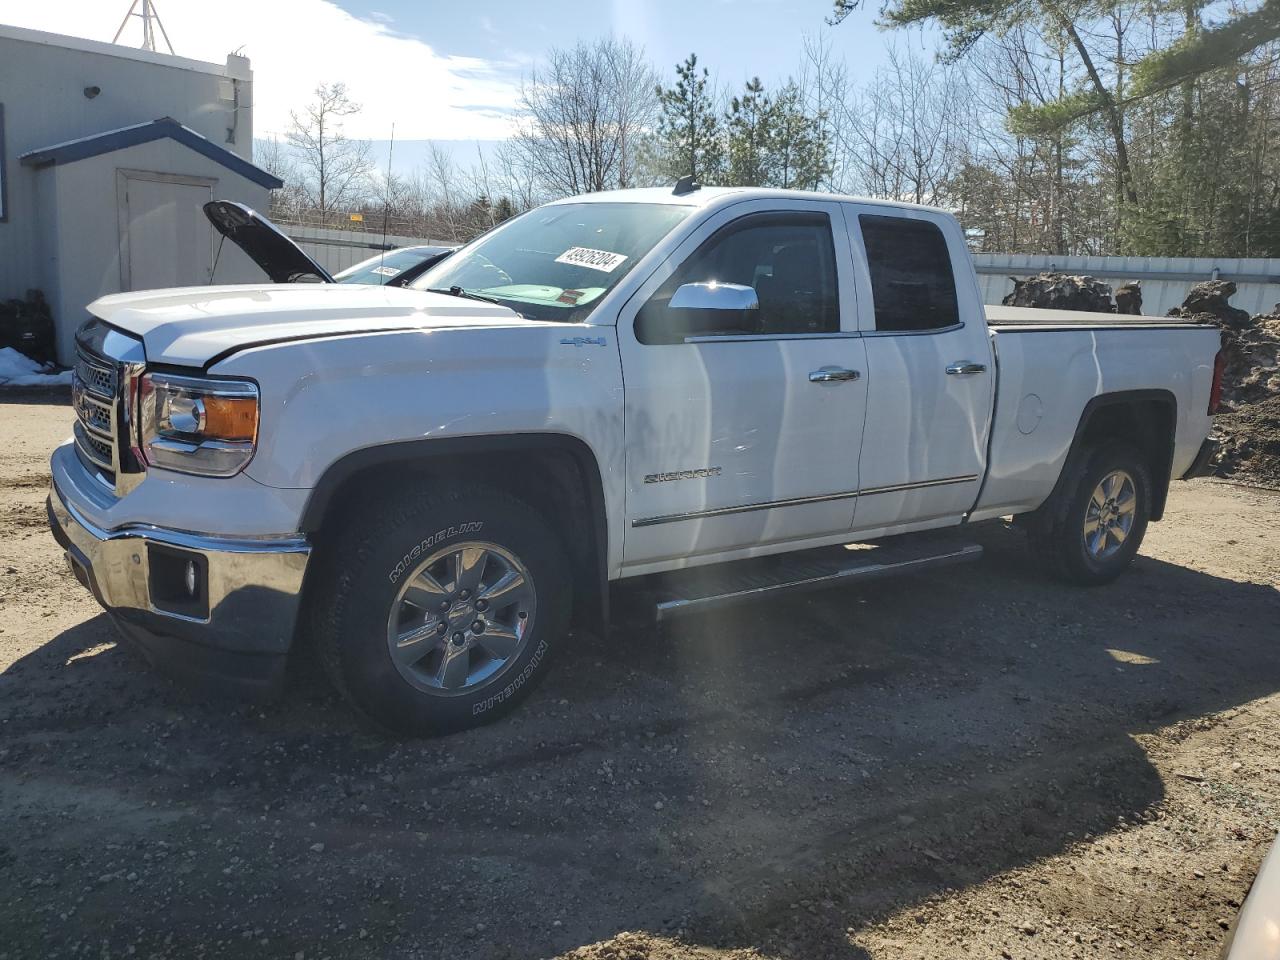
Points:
point(1215, 389)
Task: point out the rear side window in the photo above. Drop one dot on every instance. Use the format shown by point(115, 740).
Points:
point(912, 285)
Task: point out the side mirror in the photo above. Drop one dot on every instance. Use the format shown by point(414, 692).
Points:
point(714, 296)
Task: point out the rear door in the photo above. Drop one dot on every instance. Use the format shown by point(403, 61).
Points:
point(931, 381)
point(745, 433)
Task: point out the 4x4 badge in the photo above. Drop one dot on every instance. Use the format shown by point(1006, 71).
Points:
point(583, 341)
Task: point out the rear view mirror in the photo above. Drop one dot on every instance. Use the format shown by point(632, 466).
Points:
point(714, 296)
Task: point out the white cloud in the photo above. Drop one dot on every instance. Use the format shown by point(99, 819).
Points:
point(296, 44)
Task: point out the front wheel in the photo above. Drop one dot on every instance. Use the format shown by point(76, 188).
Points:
point(442, 609)
point(1093, 531)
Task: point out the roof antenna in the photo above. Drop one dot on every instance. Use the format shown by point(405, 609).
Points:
point(686, 185)
point(386, 203)
point(148, 14)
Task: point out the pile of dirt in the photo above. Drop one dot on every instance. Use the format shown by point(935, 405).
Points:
point(1060, 291)
point(1251, 442)
point(1206, 302)
point(1250, 423)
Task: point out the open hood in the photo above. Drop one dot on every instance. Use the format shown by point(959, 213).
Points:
point(280, 258)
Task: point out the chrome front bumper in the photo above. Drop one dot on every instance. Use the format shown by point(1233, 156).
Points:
point(237, 623)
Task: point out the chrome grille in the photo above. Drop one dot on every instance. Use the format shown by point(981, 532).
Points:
point(107, 366)
point(92, 412)
point(97, 376)
point(93, 387)
point(96, 451)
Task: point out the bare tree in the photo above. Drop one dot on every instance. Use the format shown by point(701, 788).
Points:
point(333, 169)
point(585, 115)
point(518, 181)
point(444, 186)
point(824, 85)
point(906, 130)
point(274, 156)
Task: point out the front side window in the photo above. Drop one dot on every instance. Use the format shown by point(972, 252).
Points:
point(912, 285)
point(787, 258)
point(556, 262)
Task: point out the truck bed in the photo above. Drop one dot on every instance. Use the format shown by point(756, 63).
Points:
point(1015, 318)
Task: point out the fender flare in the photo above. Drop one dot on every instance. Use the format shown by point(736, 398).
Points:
point(422, 452)
point(1163, 450)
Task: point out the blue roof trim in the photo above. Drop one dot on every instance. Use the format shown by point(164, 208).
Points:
point(101, 143)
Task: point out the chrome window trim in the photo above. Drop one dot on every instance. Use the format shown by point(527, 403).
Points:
point(801, 501)
point(931, 331)
point(750, 337)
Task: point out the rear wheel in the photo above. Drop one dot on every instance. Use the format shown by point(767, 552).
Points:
point(441, 610)
point(1093, 530)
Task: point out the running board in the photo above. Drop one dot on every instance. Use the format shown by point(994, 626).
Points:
point(708, 588)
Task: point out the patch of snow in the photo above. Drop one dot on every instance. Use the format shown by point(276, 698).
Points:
point(19, 370)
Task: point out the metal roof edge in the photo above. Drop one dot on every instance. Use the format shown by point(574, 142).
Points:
point(131, 136)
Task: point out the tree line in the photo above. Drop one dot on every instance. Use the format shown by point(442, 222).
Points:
point(1047, 126)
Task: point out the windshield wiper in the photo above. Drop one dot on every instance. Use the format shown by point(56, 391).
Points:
point(468, 295)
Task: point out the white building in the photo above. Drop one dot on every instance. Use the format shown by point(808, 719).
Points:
point(106, 155)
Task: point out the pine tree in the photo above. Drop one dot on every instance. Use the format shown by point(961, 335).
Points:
point(690, 140)
point(1199, 51)
point(748, 141)
point(798, 152)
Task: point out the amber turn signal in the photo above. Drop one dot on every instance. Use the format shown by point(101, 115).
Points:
point(231, 418)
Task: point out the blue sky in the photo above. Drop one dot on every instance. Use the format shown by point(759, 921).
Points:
point(451, 71)
point(736, 39)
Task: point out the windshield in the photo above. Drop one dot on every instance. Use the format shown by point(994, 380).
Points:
point(556, 262)
point(383, 268)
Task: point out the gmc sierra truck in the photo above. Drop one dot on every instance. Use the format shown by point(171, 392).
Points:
point(708, 395)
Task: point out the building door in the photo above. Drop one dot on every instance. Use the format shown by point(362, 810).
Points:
point(166, 241)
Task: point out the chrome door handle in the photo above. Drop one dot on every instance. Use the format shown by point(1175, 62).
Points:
point(963, 368)
point(832, 375)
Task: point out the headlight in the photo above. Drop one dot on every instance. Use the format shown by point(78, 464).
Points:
point(198, 425)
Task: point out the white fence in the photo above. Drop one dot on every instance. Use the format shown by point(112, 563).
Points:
point(338, 249)
point(1165, 280)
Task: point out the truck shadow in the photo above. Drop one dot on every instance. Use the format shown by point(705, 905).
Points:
point(769, 777)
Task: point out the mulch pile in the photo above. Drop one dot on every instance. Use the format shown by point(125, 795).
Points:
point(1250, 421)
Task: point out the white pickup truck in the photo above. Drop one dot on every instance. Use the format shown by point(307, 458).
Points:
point(429, 486)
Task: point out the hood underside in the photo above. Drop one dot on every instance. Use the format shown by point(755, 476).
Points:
point(190, 326)
point(264, 243)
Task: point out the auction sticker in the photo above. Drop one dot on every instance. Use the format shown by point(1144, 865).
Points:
point(601, 260)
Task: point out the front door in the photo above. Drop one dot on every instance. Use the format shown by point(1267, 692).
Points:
point(743, 430)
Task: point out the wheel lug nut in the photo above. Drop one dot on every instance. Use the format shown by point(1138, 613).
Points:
point(444, 605)
point(482, 605)
point(459, 639)
point(464, 594)
point(478, 626)
point(441, 627)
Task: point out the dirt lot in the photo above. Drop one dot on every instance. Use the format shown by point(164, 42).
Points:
point(974, 763)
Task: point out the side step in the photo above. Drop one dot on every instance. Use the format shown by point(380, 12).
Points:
point(708, 588)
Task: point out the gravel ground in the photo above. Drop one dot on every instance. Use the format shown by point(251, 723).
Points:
point(974, 762)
